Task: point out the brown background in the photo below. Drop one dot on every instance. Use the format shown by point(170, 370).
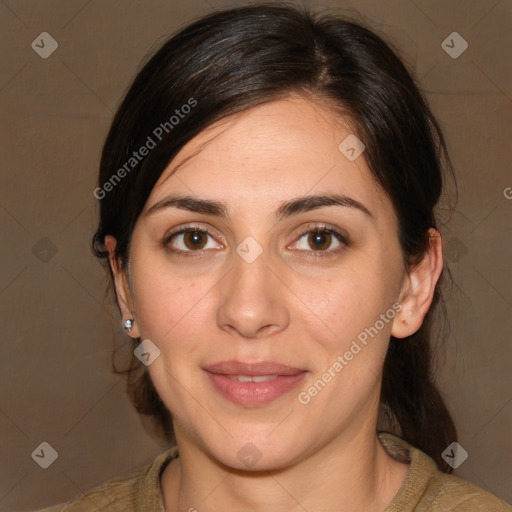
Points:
point(57, 328)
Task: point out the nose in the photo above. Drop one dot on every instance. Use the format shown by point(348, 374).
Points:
point(253, 300)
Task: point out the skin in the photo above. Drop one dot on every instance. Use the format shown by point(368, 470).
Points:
point(289, 305)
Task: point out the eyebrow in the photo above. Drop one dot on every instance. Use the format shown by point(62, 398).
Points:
point(285, 209)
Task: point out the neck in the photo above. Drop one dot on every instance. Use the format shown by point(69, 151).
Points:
point(352, 473)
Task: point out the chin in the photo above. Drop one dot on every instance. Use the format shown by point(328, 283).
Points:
point(255, 452)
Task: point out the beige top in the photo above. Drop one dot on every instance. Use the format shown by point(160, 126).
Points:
point(424, 489)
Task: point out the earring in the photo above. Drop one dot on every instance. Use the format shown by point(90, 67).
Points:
point(128, 325)
point(405, 322)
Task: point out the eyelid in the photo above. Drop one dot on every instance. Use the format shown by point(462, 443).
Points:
point(185, 229)
point(322, 226)
point(340, 235)
point(192, 227)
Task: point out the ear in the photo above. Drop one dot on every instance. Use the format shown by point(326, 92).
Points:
point(123, 293)
point(418, 289)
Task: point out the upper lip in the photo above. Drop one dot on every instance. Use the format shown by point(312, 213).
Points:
point(252, 369)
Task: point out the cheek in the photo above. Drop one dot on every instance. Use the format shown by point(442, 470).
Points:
point(166, 304)
point(347, 304)
point(335, 307)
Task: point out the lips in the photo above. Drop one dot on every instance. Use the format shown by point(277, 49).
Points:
point(253, 385)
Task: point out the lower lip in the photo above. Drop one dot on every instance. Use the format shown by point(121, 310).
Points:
point(254, 394)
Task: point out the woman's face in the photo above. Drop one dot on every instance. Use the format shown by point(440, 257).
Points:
point(269, 333)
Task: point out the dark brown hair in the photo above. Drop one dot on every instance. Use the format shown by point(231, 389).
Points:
point(232, 60)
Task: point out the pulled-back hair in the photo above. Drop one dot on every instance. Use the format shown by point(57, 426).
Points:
point(235, 59)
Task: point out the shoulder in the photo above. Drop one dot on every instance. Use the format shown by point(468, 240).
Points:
point(114, 495)
point(139, 490)
point(450, 493)
point(426, 489)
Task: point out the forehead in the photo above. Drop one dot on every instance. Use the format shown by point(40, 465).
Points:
point(281, 149)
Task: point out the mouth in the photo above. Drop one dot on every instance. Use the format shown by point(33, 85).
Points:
point(253, 385)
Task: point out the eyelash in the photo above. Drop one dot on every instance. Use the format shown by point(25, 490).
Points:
point(322, 228)
point(181, 231)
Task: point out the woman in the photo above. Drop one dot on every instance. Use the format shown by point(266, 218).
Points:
point(267, 194)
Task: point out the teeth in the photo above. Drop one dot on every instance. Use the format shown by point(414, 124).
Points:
point(264, 378)
point(257, 378)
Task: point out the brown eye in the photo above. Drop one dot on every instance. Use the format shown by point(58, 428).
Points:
point(320, 240)
point(191, 240)
point(195, 239)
